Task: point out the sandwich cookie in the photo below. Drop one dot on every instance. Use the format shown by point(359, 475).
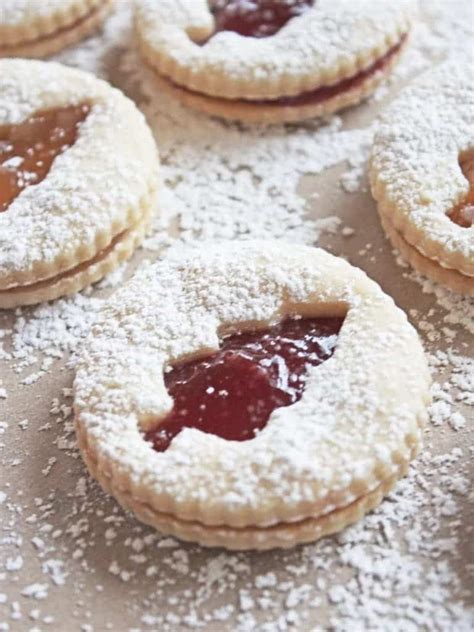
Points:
point(78, 180)
point(422, 175)
point(38, 28)
point(267, 61)
point(250, 395)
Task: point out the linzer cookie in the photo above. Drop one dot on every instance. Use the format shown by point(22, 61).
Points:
point(250, 395)
point(37, 28)
point(271, 61)
point(422, 175)
point(78, 180)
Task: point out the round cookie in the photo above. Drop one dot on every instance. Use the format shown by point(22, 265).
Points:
point(312, 58)
point(78, 180)
point(38, 28)
point(317, 463)
point(422, 174)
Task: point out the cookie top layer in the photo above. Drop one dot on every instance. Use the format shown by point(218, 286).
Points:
point(93, 190)
point(326, 44)
point(24, 20)
point(415, 171)
point(355, 424)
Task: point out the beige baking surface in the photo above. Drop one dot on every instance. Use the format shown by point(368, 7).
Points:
point(71, 559)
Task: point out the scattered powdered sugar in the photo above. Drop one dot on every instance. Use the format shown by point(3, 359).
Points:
point(40, 335)
point(454, 309)
point(384, 571)
point(70, 557)
point(459, 309)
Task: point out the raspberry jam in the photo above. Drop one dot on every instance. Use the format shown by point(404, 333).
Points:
point(256, 18)
point(323, 93)
point(233, 392)
point(27, 150)
point(463, 213)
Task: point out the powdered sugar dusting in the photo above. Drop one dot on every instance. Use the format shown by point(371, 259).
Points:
point(313, 47)
point(70, 554)
point(21, 12)
point(79, 209)
point(415, 172)
point(333, 436)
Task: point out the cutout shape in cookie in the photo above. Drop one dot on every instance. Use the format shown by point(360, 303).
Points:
point(263, 61)
point(233, 392)
point(38, 28)
point(422, 174)
point(78, 179)
point(27, 150)
point(260, 18)
point(329, 449)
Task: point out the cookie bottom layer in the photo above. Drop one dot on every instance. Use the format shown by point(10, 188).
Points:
point(120, 249)
point(279, 536)
point(452, 279)
point(62, 38)
point(282, 536)
point(268, 112)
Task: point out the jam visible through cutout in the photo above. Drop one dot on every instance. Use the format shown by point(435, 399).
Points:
point(256, 18)
point(233, 392)
point(463, 213)
point(27, 150)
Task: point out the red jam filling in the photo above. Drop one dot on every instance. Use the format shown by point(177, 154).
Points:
point(323, 93)
point(318, 95)
point(256, 18)
point(27, 150)
point(233, 392)
point(463, 213)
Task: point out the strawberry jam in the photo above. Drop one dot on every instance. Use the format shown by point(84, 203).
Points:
point(27, 150)
point(256, 18)
point(233, 392)
point(463, 213)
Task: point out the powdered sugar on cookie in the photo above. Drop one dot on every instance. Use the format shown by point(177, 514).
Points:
point(74, 213)
point(415, 171)
point(405, 566)
point(38, 29)
point(328, 43)
point(22, 12)
point(343, 438)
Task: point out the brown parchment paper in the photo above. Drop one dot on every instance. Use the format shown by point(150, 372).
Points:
point(54, 512)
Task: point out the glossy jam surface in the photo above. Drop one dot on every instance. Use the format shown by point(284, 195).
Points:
point(256, 18)
point(28, 150)
point(233, 392)
point(463, 213)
